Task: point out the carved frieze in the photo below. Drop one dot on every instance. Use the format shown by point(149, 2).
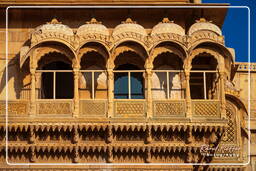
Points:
point(51, 108)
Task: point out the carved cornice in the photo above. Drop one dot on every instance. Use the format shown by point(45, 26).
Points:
point(204, 36)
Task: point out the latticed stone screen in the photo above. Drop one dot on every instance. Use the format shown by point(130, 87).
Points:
point(207, 108)
point(169, 108)
point(230, 133)
point(130, 108)
point(92, 108)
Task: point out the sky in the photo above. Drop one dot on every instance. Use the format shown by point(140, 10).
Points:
point(235, 28)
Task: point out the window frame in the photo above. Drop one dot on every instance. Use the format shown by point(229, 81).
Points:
point(129, 81)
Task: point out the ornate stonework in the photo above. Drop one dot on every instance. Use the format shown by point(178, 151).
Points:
point(64, 105)
point(167, 26)
point(203, 24)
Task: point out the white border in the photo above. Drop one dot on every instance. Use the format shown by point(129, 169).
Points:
point(131, 164)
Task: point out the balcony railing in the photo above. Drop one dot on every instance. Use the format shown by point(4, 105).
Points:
point(123, 108)
point(93, 108)
point(169, 108)
point(206, 108)
point(54, 107)
point(130, 108)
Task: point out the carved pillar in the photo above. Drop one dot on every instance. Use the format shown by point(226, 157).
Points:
point(33, 91)
point(149, 93)
point(110, 92)
point(188, 97)
point(222, 95)
point(76, 92)
point(38, 85)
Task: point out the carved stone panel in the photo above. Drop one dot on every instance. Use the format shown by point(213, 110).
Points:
point(90, 108)
point(169, 108)
point(54, 107)
point(18, 108)
point(206, 108)
point(130, 108)
point(230, 132)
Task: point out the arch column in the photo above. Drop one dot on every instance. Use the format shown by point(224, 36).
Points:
point(76, 91)
point(33, 92)
point(222, 95)
point(110, 92)
point(149, 93)
point(188, 96)
point(33, 66)
point(187, 67)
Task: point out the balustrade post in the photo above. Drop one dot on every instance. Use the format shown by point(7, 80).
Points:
point(76, 92)
point(222, 95)
point(149, 93)
point(188, 96)
point(33, 91)
point(110, 92)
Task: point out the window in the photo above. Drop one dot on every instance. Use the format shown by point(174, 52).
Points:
point(93, 84)
point(204, 81)
point(129, 82)
point(167, 84)
point(167, 77)
point(57, 81)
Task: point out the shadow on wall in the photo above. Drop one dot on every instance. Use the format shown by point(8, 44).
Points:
point(13, 70)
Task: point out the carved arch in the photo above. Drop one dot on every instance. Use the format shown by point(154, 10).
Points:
point(60, 48)
point(122, 48)
point(160, 50)
point(96, 49)
point(174, 42)
point(213, 45)
point(104, 44)
point(242, 111)
point(198, 51)
point(132, 40)
point(238, 102)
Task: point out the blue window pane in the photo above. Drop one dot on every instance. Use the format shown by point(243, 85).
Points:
point(137, 91)
point(121, 86)
point(121, 90)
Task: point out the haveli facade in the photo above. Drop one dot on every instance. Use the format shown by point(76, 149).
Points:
point(123, 85)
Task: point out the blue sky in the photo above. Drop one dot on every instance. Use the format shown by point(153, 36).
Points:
point(235, 28)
